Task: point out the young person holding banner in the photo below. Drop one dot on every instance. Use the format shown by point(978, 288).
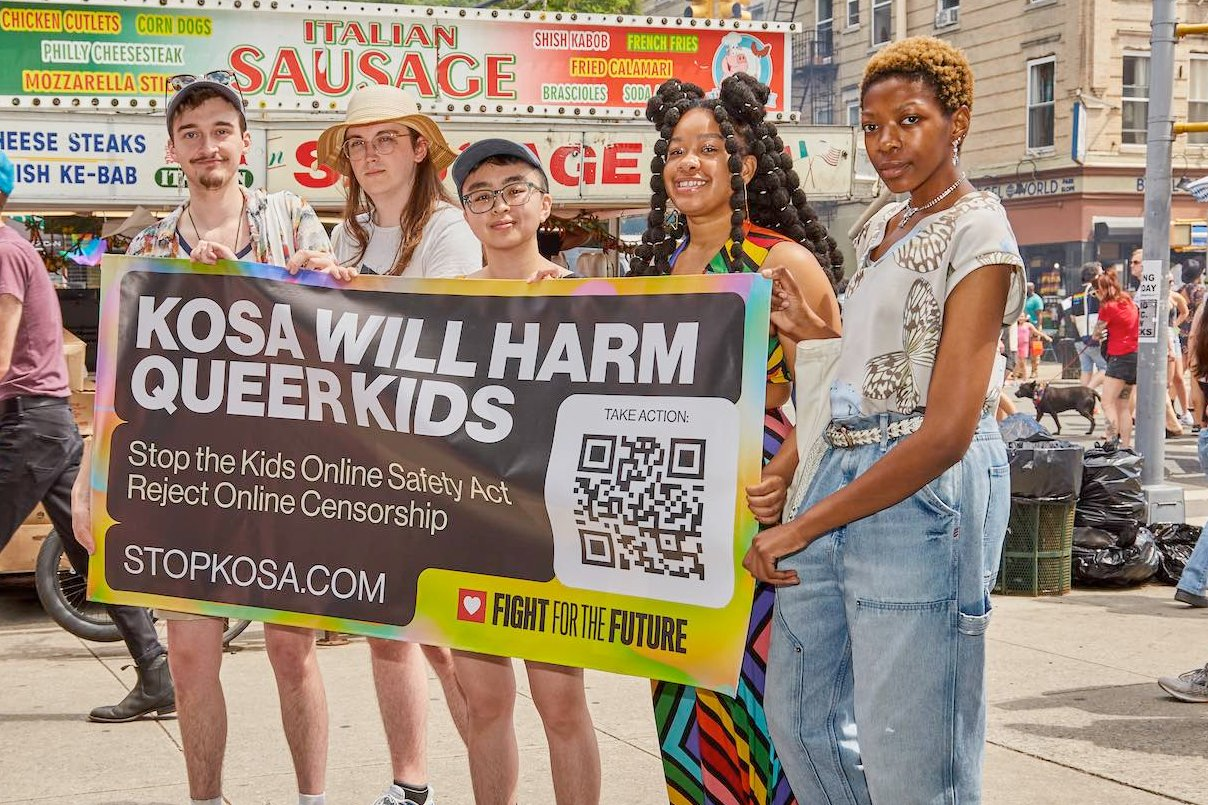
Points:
point(505, 197)
point(736, 206)
point(399, 221)
point(875, 678)
point(207, 136)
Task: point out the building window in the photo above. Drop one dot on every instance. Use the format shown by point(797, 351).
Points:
point(1197, 98)
point(1041, 108)
point(947, 12)
point(1135, 102)
point(853, 13)
point(853, 116)
point(823, 28)
point(882, 21)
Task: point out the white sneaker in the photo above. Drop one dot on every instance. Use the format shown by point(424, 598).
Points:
point(1185, 420)
point(395, 795)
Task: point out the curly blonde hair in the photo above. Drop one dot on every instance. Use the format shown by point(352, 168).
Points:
point(943, 67)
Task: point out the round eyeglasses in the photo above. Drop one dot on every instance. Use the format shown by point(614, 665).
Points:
point(513, 195)
point(357, 148)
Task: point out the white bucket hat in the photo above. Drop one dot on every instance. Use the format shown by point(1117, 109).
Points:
point(379, 103)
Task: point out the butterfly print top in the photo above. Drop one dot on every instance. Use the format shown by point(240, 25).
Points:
point(894, 311)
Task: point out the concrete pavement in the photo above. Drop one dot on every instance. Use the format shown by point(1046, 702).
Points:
point(1074, 713)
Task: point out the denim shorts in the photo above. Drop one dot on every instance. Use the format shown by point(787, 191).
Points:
point(875, 686)
point(1090, 358)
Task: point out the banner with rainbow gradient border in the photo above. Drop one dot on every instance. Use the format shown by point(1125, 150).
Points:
point(640, 623)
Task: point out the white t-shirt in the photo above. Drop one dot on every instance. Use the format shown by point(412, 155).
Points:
point(448, 247)
point(895, 305)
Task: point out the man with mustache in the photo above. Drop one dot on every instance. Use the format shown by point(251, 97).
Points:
point(207, 136)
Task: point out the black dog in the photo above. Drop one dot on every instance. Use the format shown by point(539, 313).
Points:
point(1052, 400)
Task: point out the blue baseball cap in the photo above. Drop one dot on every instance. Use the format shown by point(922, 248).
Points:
point(8, 174)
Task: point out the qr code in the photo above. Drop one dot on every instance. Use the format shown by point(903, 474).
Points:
point(639, 503)
point(642, 496)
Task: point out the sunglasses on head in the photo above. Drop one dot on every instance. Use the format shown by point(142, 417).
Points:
point(224, 77)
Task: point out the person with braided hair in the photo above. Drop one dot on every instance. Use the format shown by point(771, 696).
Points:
point(876, 689)
point(725, 199)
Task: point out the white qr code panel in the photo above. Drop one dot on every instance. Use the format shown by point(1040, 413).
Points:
point(641, 494)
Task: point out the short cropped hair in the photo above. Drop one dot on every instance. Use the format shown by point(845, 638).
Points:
point(935, 62)
point(196, 98)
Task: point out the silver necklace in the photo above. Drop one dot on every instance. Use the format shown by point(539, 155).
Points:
point(909, 211)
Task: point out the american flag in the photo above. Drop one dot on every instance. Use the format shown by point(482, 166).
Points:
point(833, 155)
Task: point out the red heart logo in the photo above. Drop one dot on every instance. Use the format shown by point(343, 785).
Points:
point(472, 605)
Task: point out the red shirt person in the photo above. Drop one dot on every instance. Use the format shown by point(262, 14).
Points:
point(1118, 315)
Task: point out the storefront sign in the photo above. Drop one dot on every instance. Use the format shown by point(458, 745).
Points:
point(90, 160)
point(465, 60)
point(597, 167)
point(1031, 188)
point(554, 471)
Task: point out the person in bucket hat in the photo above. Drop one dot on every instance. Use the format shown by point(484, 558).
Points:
point(398, 218)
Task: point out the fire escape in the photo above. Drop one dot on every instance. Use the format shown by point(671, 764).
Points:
point(814, 68)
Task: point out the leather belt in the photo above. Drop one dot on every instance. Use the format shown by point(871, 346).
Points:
point(842, 436)
point(15, 405)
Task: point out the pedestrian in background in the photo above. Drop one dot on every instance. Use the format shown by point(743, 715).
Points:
point(1033, 306)
point(1083, 310)
point(1118, 328)
point(41, 448)
point(876, 688)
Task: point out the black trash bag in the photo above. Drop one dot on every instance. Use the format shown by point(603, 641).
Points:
point(1175, 542)
point(1043, 468)
point(1117, 566)
point(1020, 426)
point(1096, 539)
point(1111, 496)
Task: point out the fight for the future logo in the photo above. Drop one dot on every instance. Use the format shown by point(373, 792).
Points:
point(471, 605)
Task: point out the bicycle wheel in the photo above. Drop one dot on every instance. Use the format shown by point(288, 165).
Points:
point(233, 629)
point(64, 596)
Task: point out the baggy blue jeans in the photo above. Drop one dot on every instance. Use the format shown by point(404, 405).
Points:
point(876, 690)
point(1195, 575)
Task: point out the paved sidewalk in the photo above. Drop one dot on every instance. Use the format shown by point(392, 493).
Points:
point(1074, 716)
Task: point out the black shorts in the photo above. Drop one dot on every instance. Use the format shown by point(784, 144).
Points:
point(1123, 367)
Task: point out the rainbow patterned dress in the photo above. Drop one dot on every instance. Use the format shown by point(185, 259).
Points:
point(716, 748)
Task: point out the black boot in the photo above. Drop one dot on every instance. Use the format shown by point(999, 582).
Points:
point(153, 692)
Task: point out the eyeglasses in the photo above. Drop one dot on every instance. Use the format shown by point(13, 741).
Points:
point(225, 77)
point(513, 195)
point(357, 148)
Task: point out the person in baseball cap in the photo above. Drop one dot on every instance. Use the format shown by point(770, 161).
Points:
point(494, 148)
point(191, 90)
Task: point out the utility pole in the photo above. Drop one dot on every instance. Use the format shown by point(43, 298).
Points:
point(1164, 500)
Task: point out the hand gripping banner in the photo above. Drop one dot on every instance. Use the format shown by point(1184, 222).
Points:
point(554, 471)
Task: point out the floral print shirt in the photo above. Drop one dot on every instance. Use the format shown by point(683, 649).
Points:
point(894, 312)
point(279, 223)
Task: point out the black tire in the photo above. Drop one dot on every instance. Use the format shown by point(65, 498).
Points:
point(64, 596)
point(233, 629)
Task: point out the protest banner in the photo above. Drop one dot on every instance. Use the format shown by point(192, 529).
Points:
point(554, 471)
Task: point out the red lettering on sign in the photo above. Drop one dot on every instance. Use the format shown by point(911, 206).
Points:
point(370, 64)
point(288, 69)
point(473, 84)
point(497, 76)
point(322, 75)
point(564, 165)
point(242, 63)
point(319, 176)
point(619, 168)
point(413, 72)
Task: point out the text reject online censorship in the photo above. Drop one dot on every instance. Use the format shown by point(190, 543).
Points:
point(554, 471)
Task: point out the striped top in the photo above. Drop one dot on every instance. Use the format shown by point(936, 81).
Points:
point(756, 245)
